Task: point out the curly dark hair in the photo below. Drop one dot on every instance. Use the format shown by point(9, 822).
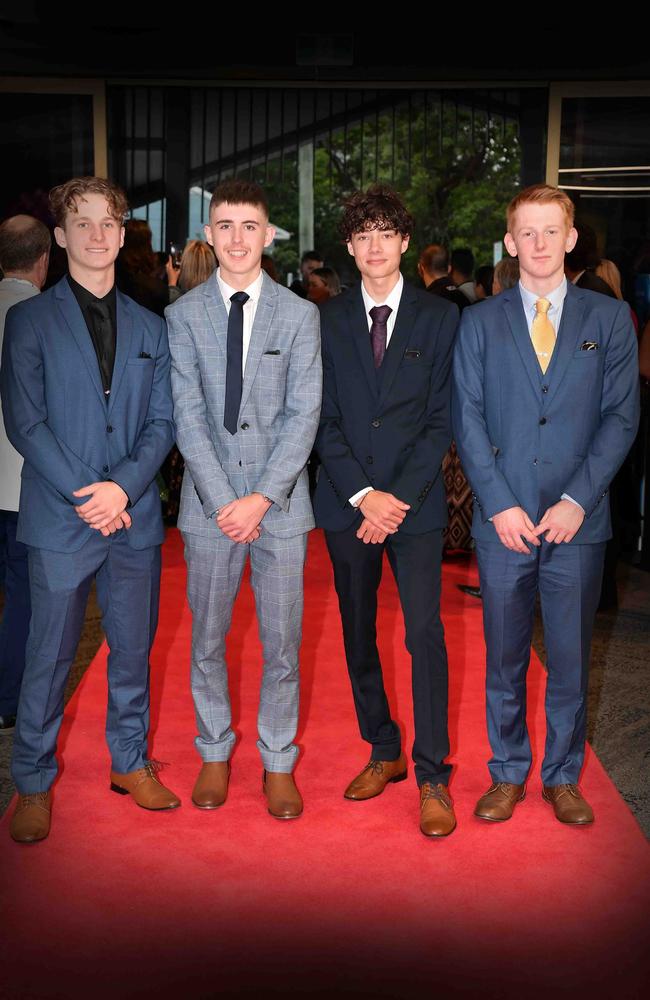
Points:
point(377, 208)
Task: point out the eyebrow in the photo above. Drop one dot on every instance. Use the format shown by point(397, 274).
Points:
point(245, 222)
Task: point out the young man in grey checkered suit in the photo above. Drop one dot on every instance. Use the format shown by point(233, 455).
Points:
point(246, 380)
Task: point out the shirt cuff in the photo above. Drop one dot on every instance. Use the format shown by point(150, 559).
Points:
point(358, 497)
point(565, 496)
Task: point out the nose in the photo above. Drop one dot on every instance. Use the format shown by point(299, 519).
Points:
point(540, 241)
point(97, 233)
point(375, 240)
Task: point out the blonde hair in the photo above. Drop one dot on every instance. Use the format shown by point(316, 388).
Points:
point(541, 194)
point(197, 264)
point(608, 271)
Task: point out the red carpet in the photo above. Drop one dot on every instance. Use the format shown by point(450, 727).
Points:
point(349, 899)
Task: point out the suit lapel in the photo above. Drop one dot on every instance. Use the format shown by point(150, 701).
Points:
point(77, 325)
point(404, 322)
point(567, 339)
point(358, 322)
point(122, 344)
point(261, 326)
point(216, 311)
point(514, 311)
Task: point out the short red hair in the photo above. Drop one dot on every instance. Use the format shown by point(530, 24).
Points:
point(541, 193)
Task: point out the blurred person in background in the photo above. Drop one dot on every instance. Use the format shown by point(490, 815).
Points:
point(24, 256)
point(137, 270)
point(324, 282)
point(506, 275)
point(484, 278)
point(462, 269)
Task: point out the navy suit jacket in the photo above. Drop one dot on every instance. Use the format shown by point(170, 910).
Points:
point(57, 417)
point(524, 437)
point(391, 429)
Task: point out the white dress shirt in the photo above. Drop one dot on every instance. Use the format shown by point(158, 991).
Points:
point(253, 291)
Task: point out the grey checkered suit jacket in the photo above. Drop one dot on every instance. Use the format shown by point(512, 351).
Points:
point(279, 411)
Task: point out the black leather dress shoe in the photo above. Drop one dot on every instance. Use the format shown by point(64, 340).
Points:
point(472, 591)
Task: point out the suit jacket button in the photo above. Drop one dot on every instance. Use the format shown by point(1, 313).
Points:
point(543, 420)
point(544, 388)
point(369, 459)
point(109, 429)
point(376, 423)
point(245, 426)
point(105, 468)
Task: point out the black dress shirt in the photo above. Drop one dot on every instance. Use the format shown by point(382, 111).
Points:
point(101, 319)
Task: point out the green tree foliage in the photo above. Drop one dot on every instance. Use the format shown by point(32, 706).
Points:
point(456, 170)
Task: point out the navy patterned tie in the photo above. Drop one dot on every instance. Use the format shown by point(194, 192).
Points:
point(379, 332)
point(234, 360)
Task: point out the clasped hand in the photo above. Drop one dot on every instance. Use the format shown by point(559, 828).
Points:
point(382, 515)
point(559, 524)
point(240, 519)
point(106, 509)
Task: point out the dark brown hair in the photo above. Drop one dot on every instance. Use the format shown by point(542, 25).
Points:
point(377, 208)
point(63, 199)
point(239, 192)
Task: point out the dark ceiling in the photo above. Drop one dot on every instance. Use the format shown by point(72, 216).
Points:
point(123, 40)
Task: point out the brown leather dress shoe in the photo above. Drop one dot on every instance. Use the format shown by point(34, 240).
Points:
point(143, 786)
point(374, 778)
point(498, 803)
point(211, 786)
point(437, 817)
point(568, 803)
point(283, 798)
point(31, 820)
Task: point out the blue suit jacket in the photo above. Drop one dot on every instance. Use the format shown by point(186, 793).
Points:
point(524, 437)
point(391, 431)
point(57, 417)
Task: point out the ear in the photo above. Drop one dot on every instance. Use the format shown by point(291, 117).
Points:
point(420, 270)
point(510, 244)
point(59, 236)
point(208, 234)
point(405, 243)
point(571, 240)
point(269, 235)
point(350, 249)
point(122, 231)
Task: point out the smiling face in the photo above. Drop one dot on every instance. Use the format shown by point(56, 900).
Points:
point(377, 253)
point(540, 236)
point(91, 237)
point(239, 235)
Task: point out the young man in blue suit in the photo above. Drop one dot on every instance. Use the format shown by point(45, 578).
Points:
point(384, 428)
point(87, 402)
point(545, 409)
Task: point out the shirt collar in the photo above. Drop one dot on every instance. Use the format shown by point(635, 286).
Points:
point(392, 299)
point(556, 297)
point(254, 290)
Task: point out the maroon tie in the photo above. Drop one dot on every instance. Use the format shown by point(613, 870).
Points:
point(379, 331)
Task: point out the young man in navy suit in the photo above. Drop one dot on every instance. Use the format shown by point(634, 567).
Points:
point(87, 402)
point(385, 426)
point(545, 409)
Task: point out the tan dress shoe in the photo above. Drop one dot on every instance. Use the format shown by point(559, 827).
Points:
point(143, 786)
point(211, 786)
point(283, 798)
point(374, 778)
point(437, 817)
point(568, 803)
point(31, 820)
point(498, 803)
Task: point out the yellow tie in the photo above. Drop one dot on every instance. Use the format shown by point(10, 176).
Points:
point(543, 334)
